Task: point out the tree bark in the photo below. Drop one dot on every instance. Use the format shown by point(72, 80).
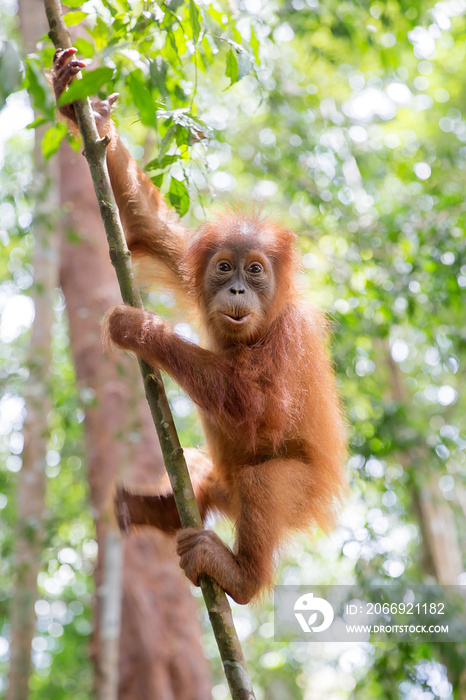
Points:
point(439, 533)
point(442, 551)
point(160, 653)
point(32, 478)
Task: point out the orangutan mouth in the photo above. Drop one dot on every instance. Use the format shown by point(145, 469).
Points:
point(237, 320)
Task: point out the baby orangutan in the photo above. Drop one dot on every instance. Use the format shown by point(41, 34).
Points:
point(262, 380)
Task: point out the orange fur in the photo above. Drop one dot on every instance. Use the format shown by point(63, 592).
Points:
point(263, 383)
point(269, 408)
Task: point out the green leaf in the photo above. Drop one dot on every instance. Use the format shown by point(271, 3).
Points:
point(74, 142)
point(180, 95)
point(180, 40)
point(244, 64)
point(37, 122)
point(216, 15)
point(238, 65)
point(52, 139)
point(39, 89)
point(158, 71)
point(254, 43)
point(166, 142)
point(10, 68)
point(89, 85)
point(178, 196)
point(160, 163)
point(85, 48)
point(207, 49)
point(194, 16)
point(236, 36)
point(142, 97)
point(182, 135)
point(232, 70)
point(100, 34)
point(158, 180)
point(72, 18)
point(174, 4)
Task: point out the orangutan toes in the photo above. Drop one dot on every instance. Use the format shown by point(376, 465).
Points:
point(64, 69)
point(146, 509)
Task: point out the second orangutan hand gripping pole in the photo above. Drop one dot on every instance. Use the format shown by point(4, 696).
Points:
point(215, 598)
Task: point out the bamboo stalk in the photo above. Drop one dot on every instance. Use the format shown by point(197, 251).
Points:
point(216, 602)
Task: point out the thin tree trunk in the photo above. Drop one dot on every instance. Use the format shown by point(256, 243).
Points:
point(442, 551)
point(160, 651)
point(32, 478)
point(441, 533)
point(440, 536)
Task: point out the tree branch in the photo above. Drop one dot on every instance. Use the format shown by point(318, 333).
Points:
point(94, 150)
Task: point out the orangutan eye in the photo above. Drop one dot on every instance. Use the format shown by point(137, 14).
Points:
point(224, 266)
point(255, 268)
